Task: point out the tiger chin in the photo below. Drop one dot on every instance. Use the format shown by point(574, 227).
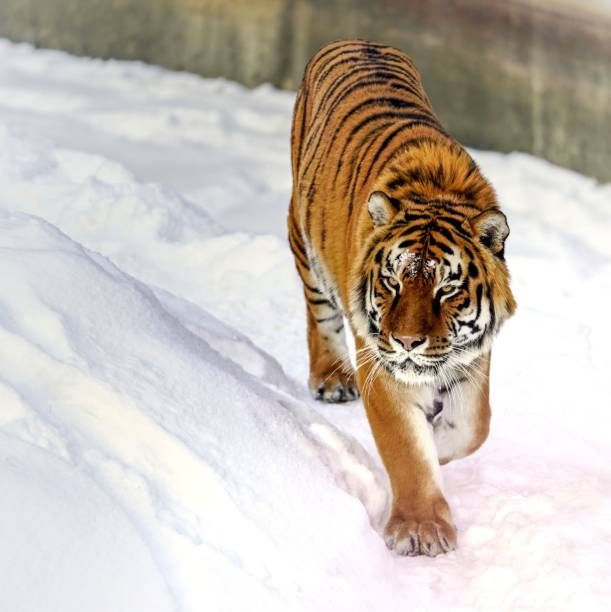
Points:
point(393, 226)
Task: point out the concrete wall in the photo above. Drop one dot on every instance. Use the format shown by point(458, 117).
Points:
point(507, 75)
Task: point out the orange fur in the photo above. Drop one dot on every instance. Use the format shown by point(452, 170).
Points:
point(393, 225)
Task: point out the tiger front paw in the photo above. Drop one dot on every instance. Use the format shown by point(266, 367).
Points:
point(419, 535)
point(334, 388)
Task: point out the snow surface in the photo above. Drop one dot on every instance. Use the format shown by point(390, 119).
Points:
point(158, 448)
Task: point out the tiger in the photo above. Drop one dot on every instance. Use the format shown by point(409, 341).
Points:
point(395, 230)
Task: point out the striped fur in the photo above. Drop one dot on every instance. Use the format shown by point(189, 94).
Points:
point(393, 226)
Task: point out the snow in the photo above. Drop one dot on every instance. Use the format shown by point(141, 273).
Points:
point(47, 499)
point(158, 447)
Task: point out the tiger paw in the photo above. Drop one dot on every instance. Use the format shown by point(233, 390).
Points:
point(419, 536)
point(336, 388)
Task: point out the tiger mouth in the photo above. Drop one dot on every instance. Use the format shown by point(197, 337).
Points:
point(418, 368)
point(415, 366)
point(408, 365)
point(424, 361)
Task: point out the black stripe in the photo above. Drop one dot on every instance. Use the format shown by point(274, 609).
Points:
point(319, 302)
point(358, 173)
point(492, 323)
point(293, 124)
point(331, 65)
point(362, 151)
point(325, 319)
point(382, 61)
point(445, 248)
point(457, 225)
point(362, 293)
point(462, 204)
point(405, 83)
point(410, 218)
point(393, 102)
point(300, 102)
point(446, 233)
point(370, 250)
point(472, 168)
point(359, 151)
point(314, 62)
point(294, 236)
point(310, 288)
point(320, 132)
point(298, 257)
point(456, 275)
point(437, 304)
point(464, 303)
point(398, 181)
point(416, 122)
point(323, 230)
point(308, 213)
point(388, 74)
point(478, 293)
point(375, 158)
point(339, 82)
point(395, 299)
point(364, 83)
point(367, 120)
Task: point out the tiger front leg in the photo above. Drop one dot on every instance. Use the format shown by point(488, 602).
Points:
point(420, 521)
point(332, 377)
point(463, 420)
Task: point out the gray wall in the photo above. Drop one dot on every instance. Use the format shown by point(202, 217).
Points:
point(507, 75)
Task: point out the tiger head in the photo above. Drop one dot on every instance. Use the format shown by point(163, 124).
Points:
point(432, 288)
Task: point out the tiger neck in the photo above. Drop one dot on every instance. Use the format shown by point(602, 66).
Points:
point(432, 171)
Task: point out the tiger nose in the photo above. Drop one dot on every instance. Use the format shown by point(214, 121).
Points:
point(410, 342)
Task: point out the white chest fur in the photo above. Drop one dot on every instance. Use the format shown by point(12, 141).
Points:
point(452, 416)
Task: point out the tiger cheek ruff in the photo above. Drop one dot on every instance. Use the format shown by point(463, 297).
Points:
point(393, 226)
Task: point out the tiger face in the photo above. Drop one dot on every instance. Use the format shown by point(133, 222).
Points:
point(436, 288)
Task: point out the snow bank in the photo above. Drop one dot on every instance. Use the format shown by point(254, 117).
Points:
point(158, 447)
point(66, 545)
point(189, 446)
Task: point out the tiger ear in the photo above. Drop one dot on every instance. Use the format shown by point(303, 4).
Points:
point(491, 228)
point(382, 208)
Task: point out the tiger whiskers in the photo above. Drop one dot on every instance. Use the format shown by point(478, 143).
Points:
point(370, 357)
point(453, 377)
point(472, 371)
point(452, 386)
point(370, 379)
point(343, 364)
